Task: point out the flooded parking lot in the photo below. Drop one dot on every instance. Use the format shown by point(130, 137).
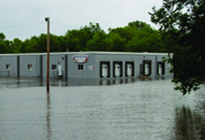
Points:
point(96, 110)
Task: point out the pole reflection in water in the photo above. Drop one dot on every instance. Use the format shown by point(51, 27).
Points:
point(189, 124)
point(145, 109)
point(48, 117)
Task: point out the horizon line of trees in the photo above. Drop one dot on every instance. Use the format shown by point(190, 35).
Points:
point(137, 36)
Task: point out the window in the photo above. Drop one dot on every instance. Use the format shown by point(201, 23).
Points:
point(30, 67)
point(80, 67)
point(7, 66)
point(54, 66)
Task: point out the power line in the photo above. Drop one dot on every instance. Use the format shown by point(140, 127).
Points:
point(23, 25)
point(61, 24)
point(32, 24)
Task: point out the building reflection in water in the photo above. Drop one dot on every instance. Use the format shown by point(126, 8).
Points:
point(189, 124)
point(36, 81)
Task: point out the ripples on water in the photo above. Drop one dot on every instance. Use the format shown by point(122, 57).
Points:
point(134, 110)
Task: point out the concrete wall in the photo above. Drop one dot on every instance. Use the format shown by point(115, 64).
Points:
point(55, 59)
point(137, 59)
point(70, 68)
point(12, 61)
point(89, 67)
point(30, 65)
point(160, 58)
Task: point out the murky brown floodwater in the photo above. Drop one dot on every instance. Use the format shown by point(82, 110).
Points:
point(134, 110)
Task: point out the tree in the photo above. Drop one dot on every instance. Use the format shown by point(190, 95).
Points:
point(77, 39)
point(4, 44)
point(16, 45)
point(98, 43)
point(137, 37)
point(2, 37)
point(182, 22)
point(54, 43)
point(118, 42)
point(63, 43)
point(4, 48)
point(146, 38)
point(72, 40)
point(31, 45)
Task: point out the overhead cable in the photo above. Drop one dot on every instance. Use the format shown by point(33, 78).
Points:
point(23, 25)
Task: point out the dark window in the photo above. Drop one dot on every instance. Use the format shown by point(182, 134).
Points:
point(30, 67)
point(80, 67)
point(54, 66)
point(7, 66)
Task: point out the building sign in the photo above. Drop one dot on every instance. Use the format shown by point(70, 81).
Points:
point(91, 67)
point(80, 58)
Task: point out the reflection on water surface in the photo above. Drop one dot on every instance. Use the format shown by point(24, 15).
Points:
point(126, 109)
point(189, 124)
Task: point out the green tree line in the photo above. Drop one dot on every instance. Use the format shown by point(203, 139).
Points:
point(137, 36)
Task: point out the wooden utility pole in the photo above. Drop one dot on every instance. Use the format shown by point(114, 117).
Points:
point(48, 54)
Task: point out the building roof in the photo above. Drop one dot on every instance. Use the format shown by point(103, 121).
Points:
point(99, 53)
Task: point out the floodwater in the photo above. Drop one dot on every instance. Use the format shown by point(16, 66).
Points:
point(130, 109)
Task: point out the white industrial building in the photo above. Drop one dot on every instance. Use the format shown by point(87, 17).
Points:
point(85, 64)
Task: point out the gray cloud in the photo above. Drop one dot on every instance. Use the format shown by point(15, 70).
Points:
point(71, 14)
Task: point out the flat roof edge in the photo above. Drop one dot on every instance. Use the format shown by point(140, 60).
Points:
point(104, 53)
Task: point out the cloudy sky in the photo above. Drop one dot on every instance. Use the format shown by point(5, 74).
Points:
point(25, 18)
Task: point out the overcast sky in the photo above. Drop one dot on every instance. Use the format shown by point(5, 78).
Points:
point(25, 18)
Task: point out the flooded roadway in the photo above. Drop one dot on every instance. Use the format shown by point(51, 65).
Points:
point(112, 109)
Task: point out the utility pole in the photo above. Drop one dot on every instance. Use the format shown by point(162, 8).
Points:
point(48, 54)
